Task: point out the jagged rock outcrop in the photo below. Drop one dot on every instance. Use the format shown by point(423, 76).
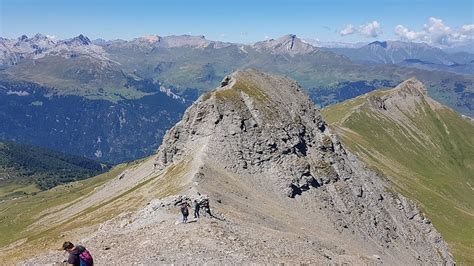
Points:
point(265, 130)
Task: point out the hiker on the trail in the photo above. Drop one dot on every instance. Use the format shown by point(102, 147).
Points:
point(78, 255)
point(197, 206)
point(185, 211)
point(205, 205)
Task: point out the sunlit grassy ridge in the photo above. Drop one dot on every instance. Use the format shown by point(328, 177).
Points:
point(428, 156)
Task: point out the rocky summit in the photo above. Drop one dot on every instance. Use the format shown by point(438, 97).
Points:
point(266, 132)
point(287, 44)
point(281, 186)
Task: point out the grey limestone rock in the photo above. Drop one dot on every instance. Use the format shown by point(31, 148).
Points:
point(258, 125)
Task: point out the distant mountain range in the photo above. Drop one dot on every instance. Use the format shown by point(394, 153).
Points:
point(419, 55)
point(39, 46)
point(323, 44)
point(466, 47)
point(114, 100)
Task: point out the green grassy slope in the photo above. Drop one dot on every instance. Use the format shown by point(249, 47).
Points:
point(426, 151)
point(35, 223)
point(16, 216)
point(82, 76)
point(26, 169)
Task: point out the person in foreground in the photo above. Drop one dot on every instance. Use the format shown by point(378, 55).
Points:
point(78, 255)
point(185, 211)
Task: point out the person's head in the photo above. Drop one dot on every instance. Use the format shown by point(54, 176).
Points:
point(68, 246)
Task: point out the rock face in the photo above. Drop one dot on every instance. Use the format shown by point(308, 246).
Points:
point(266, 131)
point(404, 98)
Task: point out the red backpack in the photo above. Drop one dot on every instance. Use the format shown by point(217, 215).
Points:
point(86, 258)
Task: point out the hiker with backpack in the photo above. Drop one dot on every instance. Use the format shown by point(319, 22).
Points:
point(185, 211)
point(78, 255)
point(205, 205)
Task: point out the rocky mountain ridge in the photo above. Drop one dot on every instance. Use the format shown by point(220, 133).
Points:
point(423, 147)
point(266, 131)
point(282, 189)
point(13, 51)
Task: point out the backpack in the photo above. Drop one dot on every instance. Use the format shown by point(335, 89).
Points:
point(184, 210)
point(86, 258)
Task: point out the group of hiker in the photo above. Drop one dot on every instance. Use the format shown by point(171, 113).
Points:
point(197, 205)
point(80, 256)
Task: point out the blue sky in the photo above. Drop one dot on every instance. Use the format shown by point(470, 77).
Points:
point(237, 21)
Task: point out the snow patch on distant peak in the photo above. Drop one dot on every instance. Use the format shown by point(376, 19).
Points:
point(171, 94)
point(18, 93)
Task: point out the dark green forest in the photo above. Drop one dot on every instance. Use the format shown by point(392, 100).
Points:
point(24, 164)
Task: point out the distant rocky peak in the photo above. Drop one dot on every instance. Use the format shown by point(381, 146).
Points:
point(412, 87)
point(406, 96)
point(79, 41)
point(287, 44)
point(39, 36)
point(34, 45)
point(289, 38)
point(42, 40)
point(378, 43)
point(23, 38)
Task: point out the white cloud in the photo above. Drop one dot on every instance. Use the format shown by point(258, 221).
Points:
point(18, 93)
point(408, 35)
point(349, 29)
point(370, 30)
point(435, 32)
point(467, 29)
